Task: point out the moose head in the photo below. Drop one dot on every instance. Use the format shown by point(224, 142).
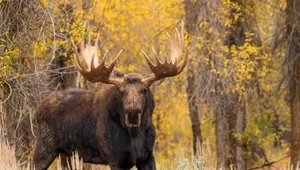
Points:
point(133, 87)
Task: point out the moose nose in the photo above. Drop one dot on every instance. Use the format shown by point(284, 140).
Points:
point(133, 119)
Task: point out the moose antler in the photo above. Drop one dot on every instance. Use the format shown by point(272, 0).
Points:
point(168, 68)
point(87, 64)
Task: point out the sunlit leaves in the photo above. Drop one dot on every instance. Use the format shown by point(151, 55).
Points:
point(251, 70)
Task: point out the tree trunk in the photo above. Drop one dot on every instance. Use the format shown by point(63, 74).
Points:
point(192, 14)
point(231, 124)
point(61, 76)
point(220, 135)
point(236, 105)
point(240, 129)
point(293, 55)
point(193, 108)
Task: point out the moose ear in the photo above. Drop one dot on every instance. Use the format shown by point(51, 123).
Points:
point(118, 76)
point(117, 73)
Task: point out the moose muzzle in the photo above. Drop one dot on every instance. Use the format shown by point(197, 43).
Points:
point(133, 119)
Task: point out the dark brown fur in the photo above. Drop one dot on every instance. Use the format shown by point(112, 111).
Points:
point(93, 123)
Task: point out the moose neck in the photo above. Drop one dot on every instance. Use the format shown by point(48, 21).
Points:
point(134, 132)
point(137, 136)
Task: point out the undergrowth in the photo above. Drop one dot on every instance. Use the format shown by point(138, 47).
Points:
point(182, 161)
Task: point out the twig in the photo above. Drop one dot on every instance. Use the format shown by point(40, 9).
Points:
point(10, 92)
point(269, 164)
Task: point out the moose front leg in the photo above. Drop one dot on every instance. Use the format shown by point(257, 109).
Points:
point(43, 156)
point(148, 164)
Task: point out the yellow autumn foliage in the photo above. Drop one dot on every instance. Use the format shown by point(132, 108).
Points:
point(251, 70)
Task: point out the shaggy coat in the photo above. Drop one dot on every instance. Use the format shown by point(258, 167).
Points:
point(93, 124)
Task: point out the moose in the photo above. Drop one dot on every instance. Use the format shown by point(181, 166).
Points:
point(110, 124)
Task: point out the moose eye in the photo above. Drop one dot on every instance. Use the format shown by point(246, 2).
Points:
point(144, 91)
point(122, 90)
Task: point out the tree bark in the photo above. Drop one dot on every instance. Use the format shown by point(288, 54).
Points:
point(293, 55)
point(220, 135)
point(192, 9)
point(236, 105)
point(240, 129)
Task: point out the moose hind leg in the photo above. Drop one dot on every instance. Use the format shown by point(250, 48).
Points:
point(43, 157)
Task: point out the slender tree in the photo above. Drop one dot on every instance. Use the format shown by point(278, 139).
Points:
point(61, 76)
point(192, 9)
point(235, 111)
point(293, 56)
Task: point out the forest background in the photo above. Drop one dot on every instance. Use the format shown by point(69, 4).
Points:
point(237, 104)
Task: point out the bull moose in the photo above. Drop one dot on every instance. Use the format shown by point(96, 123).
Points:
point(111, 124)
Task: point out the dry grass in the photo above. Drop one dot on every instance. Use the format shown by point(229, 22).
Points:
point(7, 157)
point(181, 162)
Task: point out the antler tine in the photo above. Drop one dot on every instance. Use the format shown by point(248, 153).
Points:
point(96, 42)
point(172, 68)
point(182, 65)
point(116, 59)
point(156, 57)
point(74, 46)
point(82, 42)
point(89, 39)
point(112, 64)
point(180, 35)
point(77, 58)
point(149, 62)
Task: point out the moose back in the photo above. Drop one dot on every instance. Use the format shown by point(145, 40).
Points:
point(111, 124)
